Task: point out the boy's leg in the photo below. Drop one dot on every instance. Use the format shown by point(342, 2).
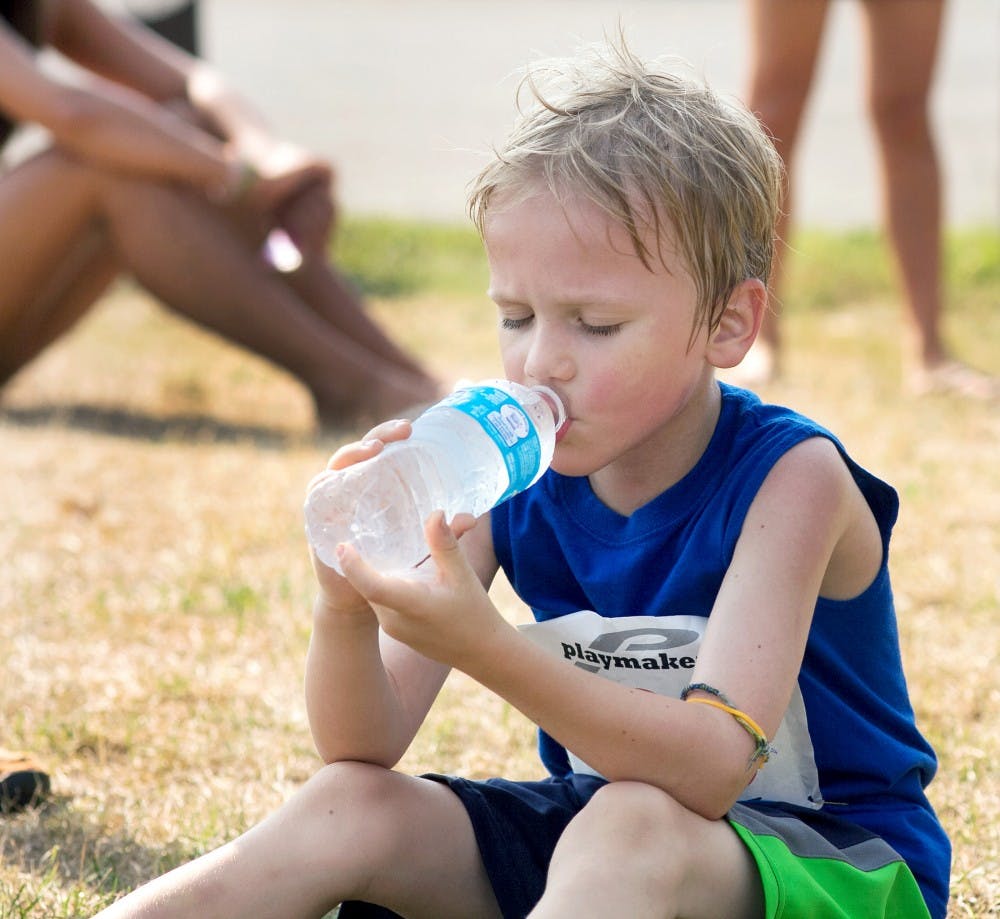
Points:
point(634, 851)
point(354, 831)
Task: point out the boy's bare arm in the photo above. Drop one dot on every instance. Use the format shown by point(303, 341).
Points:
point(698, 754)
point(366, 694)
point(808, 532)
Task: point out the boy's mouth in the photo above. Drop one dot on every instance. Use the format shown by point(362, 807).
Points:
point(563, 428)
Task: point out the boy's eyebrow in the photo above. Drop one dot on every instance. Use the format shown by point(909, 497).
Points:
point(583, 301)
point(499, 297)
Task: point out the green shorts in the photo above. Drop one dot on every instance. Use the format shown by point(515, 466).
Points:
point(825, 868)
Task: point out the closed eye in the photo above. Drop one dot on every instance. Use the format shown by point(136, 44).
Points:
point(513, 323)
point(601, 329)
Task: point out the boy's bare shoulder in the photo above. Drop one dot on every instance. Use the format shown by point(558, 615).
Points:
point(814, 465)
point(808, 499)
point(812, 496)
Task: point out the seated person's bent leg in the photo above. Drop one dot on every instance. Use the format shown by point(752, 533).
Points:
point(353, 831)
point(634, 851)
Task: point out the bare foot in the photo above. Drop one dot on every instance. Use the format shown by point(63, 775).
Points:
point(400, 395)
point(760, 366)
point(951, 377)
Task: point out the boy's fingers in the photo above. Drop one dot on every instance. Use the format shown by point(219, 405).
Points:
point(363, 578)
point(388, 431)
point(462, 523)
point(391, 590)
point(442, 542)
point(373, 442)
point(351, 454)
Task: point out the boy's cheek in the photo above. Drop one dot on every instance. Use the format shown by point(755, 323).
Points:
point(512, 357)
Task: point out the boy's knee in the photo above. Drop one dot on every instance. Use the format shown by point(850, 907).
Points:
point(635, 797)
point(361, 801)
point(641, 826)
point(638, 814)
point(357, 786)
point(347, 811)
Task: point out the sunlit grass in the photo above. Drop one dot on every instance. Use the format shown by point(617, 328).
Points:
point(155, 589)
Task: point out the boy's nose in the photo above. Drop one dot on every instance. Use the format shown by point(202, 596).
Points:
point(548, 357)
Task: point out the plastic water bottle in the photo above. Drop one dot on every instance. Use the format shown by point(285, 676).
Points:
point(477, 447)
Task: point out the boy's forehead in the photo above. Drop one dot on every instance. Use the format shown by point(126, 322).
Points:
point(542, 253)
point(570, 211)
point(573, 217)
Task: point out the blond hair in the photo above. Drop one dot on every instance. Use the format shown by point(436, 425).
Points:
point(654, 150)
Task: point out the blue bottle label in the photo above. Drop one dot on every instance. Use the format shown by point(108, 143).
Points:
point(508, 426)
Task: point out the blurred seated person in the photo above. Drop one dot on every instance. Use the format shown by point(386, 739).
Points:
point(155, 168)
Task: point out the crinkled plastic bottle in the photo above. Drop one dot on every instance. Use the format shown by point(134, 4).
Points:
point(481, 444)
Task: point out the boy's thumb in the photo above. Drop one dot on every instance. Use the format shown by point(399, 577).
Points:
point(441, 539)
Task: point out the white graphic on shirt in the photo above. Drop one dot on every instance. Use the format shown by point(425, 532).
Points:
point(658, 654)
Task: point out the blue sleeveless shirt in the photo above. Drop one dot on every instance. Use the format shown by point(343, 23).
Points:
point(628, 597)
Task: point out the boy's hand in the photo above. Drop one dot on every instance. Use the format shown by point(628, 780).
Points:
point(336, 593)
point(440, 609)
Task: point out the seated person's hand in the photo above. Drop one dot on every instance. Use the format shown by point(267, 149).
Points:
point(285, 172)
point(309, 219)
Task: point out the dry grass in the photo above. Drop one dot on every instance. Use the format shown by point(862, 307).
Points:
point(155, 589)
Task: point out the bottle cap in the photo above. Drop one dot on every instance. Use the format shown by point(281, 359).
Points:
point(555, 403)
point(550, 396)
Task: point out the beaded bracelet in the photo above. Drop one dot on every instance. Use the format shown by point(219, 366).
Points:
point(242, 177)
point(762, 749)
point(246, 179)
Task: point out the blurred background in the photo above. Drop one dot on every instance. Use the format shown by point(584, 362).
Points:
point(411, 94)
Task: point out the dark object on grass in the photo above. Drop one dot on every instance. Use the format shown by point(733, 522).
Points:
point(23, 782)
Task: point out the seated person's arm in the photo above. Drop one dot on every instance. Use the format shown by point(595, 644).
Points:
point(106, 122)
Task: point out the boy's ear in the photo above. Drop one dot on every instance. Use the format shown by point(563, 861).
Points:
point(740, 324)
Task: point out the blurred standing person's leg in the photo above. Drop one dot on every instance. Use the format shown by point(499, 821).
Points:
point(903, 38)
point(785, 39)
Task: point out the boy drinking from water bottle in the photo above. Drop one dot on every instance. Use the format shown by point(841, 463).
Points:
point(714, 664)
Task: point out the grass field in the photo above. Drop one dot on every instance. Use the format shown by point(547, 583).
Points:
point(155, 588)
